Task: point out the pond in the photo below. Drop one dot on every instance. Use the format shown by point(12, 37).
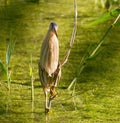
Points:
point(94, 97)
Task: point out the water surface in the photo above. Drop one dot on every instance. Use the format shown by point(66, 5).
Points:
point(26, 23)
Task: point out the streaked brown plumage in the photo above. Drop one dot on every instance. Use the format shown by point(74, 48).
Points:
point(49, 66)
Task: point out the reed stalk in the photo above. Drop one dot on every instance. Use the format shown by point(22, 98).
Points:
point(10, 48)
point(72, 40)
point(32, 80)
point(4, 69)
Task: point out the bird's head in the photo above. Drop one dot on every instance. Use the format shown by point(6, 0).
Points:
point(53, 27)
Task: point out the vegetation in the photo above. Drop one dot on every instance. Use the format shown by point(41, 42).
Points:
point(92, 51)
point(5, 68)
point(94, 63)
point(105, 17)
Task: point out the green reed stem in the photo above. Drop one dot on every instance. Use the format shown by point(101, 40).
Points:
point(88, 56)
point(32, 81)
point(10, 48)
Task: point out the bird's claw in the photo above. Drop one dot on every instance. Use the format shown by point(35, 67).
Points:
point(47, 110)
point(53, 95)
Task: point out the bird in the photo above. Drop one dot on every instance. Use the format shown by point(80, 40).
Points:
point(49, 65)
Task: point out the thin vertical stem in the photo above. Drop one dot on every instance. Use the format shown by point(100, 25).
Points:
point(72, 40)
point(32, 81)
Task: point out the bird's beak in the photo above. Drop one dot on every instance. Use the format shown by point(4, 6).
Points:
point(54, 27)
point(55, 32)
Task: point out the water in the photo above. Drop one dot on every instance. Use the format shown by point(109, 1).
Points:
point(26, 23)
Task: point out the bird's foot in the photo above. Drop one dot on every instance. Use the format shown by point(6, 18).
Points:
point(47, 110)
point(53, 95)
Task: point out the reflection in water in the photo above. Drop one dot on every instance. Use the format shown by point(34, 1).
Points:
point(8, 102)
point(32, 111)
point(36, 1)
point(47, 118)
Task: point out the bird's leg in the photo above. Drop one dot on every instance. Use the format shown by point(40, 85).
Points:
point(49, 103)
point(46, 101)
point(53, 93)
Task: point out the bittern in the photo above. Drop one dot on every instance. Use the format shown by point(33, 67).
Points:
point(49, 66)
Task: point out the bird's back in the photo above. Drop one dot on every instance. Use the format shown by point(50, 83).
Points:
point(49, 53)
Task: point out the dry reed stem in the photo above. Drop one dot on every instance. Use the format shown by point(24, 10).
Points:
point(72, 37)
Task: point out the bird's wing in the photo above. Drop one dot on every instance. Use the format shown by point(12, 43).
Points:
point(57, 74)
point(50, 54)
